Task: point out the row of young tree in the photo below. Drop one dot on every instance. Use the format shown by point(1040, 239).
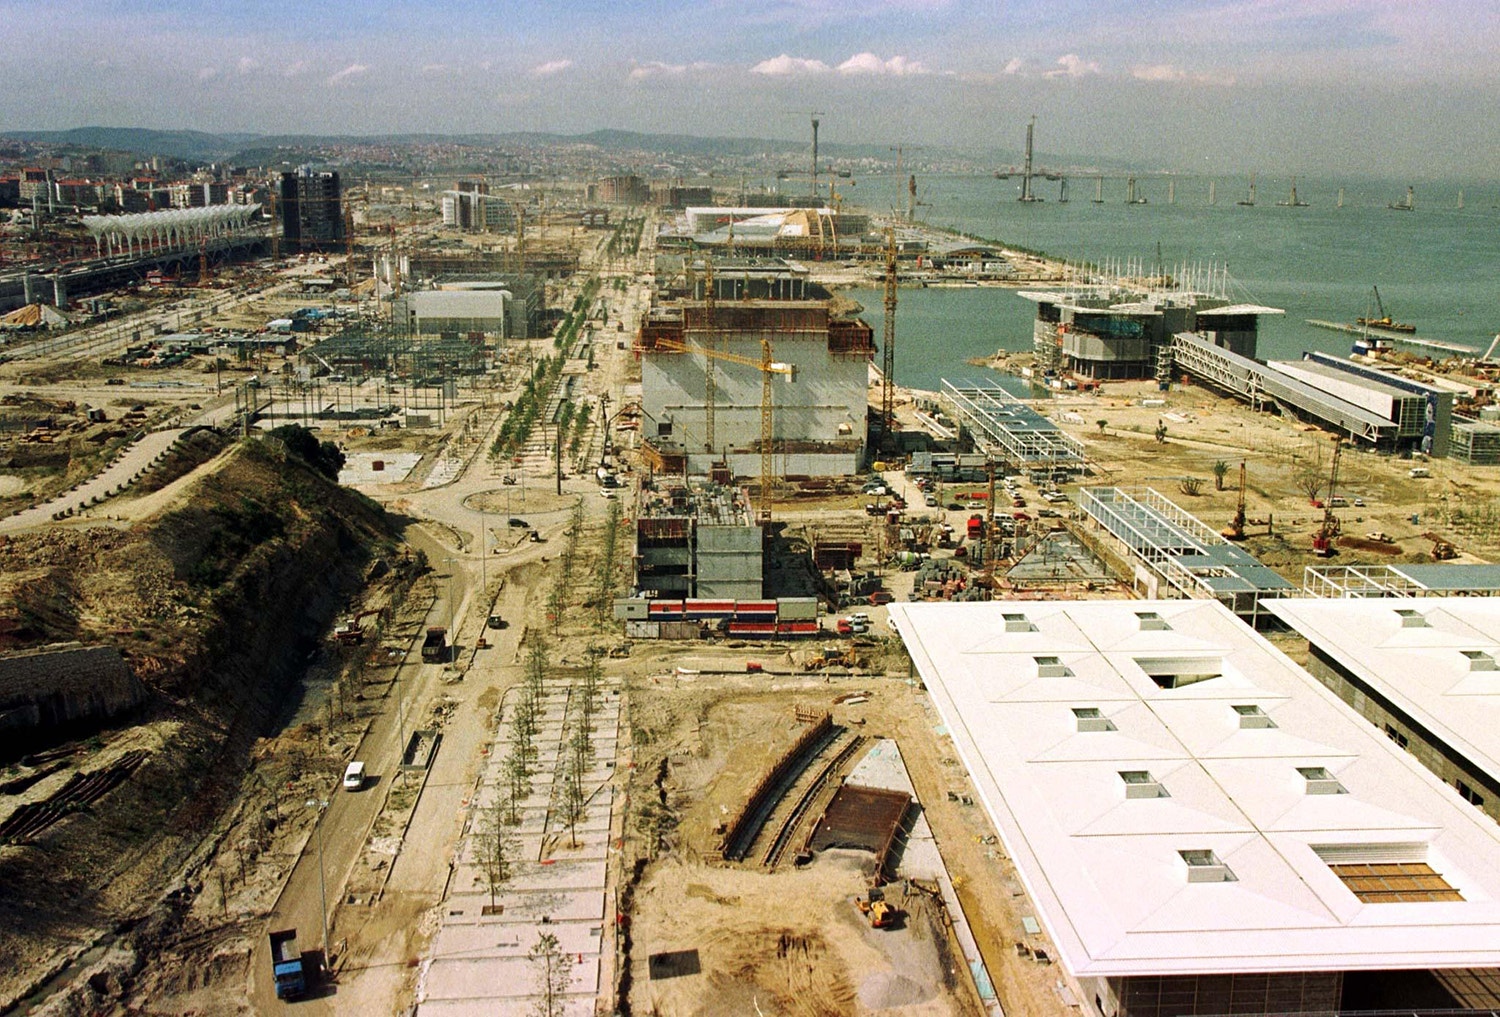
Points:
point(497, 842)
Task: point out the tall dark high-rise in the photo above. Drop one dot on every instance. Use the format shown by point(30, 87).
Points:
point(312, 211)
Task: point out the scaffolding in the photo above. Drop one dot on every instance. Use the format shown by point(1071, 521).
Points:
point(1193, 558)
point(1438, 580)
point(1003, 427)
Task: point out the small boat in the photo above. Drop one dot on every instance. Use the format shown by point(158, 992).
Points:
point(1250, 199)
point(1405, 205)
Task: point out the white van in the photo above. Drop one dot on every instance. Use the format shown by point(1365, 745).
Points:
point(1418, 471)
point(354, 776)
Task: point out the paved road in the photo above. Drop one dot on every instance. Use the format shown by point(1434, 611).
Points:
point(125, 467)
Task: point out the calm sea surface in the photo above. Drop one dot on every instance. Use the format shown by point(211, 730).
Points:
point(1437, 267)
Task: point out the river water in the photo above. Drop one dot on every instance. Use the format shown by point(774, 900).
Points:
point(1437, 266)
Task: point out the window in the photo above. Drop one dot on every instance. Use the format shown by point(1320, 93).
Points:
point(1252, 717)
point(1396, 736)
point(1394, 882)
point(1320, 781)
point(1479, 660)
point(663, 428)
point(1152, 622)
point(1052, 667)
point(1090, 719)
point(1411, 619)
point(1468, 794)
point(1203, 866)
point(1180, 672)
point(1018, 623)
point(1140, 784)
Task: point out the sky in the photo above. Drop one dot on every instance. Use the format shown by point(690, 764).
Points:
point(1356, 87)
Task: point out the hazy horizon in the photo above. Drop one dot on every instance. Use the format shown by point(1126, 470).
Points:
point(1366, 87)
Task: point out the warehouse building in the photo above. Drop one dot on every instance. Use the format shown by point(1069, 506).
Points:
point(1199, 825)
point(506, 306)
point(1422, 670)
point(1421, 415)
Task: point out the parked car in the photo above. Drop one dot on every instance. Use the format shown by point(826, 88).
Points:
point(354, 776)
point(520, 524)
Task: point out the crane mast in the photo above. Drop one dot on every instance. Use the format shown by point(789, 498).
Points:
point(710, 387)
point(888, 355)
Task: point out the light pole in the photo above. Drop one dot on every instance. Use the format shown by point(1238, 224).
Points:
point(321, 804)
point(452, 564)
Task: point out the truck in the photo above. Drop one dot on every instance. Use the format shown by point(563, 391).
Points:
point(435, 646)
point(286, 965)
point(976, 527)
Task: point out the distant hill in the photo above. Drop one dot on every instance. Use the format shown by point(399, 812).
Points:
point(206, 147)
point(173, 144)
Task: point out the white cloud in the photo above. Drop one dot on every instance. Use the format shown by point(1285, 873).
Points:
point(1015, 65)
point(246, 64)
point(436, 68)
point(1158, 72)
point(781, 66)
point(1071, 65)
point(551, 67)
point(657, 69)
point(292, 70)
point(1167, 72)
point(869, 63)
point(206, 73)
point(352, 71)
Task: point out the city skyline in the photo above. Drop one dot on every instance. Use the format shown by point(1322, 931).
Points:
point(1371, 87)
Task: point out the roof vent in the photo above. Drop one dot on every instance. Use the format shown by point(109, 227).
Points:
point(1051, 667)
point(1204, 866)
point(1411, 619)
point(1180, 672)
point(1018, 623)
point(1140, 784)
point(1152, 622)
point(1320, 781)
point(1090, 719)
point(1252, 717)
point(1480, 660)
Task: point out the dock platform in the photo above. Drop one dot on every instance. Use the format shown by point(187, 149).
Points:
point(1399, 337)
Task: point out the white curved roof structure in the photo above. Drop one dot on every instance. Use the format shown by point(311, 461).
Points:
point(177, 227)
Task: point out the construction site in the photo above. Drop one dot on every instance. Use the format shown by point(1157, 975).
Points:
point(507, 607)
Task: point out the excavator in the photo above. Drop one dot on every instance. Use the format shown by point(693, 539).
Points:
point(881, 912)
point(349, 631)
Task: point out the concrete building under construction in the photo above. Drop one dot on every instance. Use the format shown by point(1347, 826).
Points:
point(819, 401)
point(1121, 331)
point(312, 212)
point(698, 540)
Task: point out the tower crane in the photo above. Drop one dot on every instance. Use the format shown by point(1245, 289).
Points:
point(888, 357)
point(767, 368)
point(710, 392)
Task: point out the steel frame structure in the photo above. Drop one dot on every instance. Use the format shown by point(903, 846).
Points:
point(1004, 427)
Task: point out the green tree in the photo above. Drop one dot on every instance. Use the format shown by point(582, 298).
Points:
point(494, 845)
point(1221, 470)
point(552, 976)
point(1102, 424)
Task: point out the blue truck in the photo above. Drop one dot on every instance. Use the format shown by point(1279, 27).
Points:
point(286, 965)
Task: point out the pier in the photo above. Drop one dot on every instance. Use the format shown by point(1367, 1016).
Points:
point(1399, 337)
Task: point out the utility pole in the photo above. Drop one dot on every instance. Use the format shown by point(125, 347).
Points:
point(559, 458)
point(321, 804)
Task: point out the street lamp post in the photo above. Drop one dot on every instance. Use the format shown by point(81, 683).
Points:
point(321, 804)
point(452, 564)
